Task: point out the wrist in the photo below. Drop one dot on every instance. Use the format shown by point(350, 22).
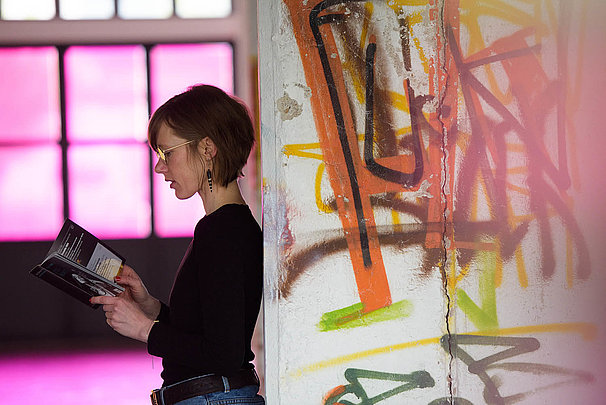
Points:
point(146, 331)
point(152, 308)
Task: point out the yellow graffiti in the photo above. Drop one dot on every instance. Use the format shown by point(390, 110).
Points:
point(299, 149)
point(368, 11)
point(521, 266)
point(318, 191)
point(414, 19)
point(397, 5)
point(470, 13)
point(587, 331)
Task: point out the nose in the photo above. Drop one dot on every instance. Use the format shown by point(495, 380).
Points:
point(160, 167)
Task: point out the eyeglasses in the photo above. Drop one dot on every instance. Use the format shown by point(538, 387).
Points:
point(164, 154)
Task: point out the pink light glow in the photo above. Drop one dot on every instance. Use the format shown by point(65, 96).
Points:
point(29, 100)
point(109, 189)
point(31, 207)
point(175, 218)
point(173, 69)
point(106, 96)
point(176, 67)
point(117, 378)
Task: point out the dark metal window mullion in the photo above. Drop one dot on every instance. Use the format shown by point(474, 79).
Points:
point(152, 204)
point(63, 142)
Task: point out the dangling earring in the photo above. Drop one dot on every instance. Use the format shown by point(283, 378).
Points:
point(210, 180)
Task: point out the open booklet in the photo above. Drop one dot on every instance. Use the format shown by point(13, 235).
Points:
point(81, 265)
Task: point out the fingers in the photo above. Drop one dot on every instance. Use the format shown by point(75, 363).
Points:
point(103, 300)
point(127, 320)
point(128, 272)
point(127, 281)
point(128, 278)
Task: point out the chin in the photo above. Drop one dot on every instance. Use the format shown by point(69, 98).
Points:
point(183, 196)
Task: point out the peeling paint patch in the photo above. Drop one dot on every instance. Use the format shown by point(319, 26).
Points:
point(422, 192)
point(288, 107)
point(306, 90)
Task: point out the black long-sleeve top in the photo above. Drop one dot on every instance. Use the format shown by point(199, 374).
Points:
point(208, 324)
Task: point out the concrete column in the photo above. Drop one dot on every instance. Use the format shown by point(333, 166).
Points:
point(433, 199)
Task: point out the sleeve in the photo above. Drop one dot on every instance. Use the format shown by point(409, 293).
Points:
point(163, 316)
point(221, 346)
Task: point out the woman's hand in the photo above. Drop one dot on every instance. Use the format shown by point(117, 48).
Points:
point(125, 316)
point(136, 292)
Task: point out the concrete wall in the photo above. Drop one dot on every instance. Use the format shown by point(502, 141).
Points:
point(434, 201)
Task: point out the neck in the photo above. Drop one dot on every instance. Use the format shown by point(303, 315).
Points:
point(221, 196)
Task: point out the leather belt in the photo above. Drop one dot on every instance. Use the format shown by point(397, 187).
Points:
point(202, 385)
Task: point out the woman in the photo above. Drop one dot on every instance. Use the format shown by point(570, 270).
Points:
point(202, 138)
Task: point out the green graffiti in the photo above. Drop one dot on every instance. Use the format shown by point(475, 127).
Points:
point(484, 316)
point(416, 379)
point(354, 316)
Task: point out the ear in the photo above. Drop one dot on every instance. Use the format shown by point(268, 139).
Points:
point(207, 149)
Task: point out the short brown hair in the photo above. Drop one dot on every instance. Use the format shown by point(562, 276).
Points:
point(207, 111)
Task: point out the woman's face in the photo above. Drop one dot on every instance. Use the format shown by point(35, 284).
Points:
point(182, 173)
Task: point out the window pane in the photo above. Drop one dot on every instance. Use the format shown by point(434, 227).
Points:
point(28, 9)
point(29, 100)
point(203, 8)
point(109, 189)
point(31, 207)
point(173, 69)
point(176, 67)
point(143, 9)
point(174, 217)
point(86, 9)
point(106, 92)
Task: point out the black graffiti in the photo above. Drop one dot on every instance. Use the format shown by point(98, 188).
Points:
point(508, 348)
point(314, 22)
point(407, 180)
point(416, 379)
point(475, 161)
point(515, 347)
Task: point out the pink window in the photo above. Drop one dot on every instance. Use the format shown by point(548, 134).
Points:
point(30, 107)
point(106, 114)
point(176, 67)
point(106, 93)
point(31, 203)
point(109, 189)
point(173, 69)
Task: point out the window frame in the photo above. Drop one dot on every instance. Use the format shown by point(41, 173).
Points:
point(234, 29)
point(237, 29)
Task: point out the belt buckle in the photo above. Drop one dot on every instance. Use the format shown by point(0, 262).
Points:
point(156, 397)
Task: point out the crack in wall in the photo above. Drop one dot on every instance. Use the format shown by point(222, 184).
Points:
point(444, 192)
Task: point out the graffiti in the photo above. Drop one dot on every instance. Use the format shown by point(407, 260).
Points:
point(587, 331)
point(433, 150)
point(407, 180)
point(519, 62)
point(355, 183)
point(433, 195)
point(416, 379)
point(515, 347)
point(454, 344)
